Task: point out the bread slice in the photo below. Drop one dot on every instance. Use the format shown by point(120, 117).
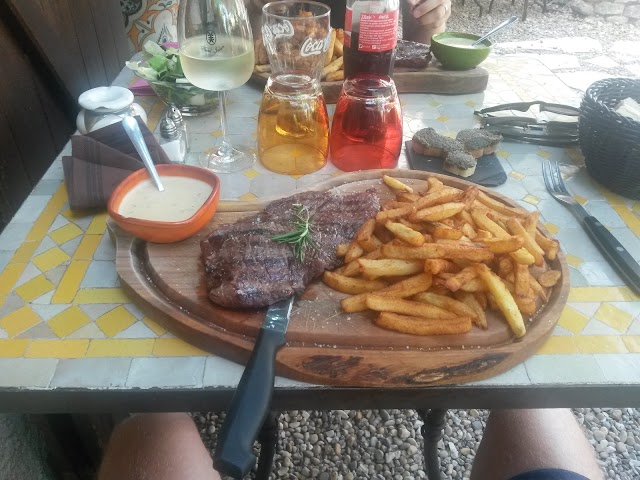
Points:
point(429, 142)
point(460, 163)
point(478, 141)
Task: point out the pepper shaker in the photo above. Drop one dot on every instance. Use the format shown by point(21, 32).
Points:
point(174, 114)
point(173, 140)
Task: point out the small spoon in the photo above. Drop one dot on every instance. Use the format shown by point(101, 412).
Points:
point(508, 21)
point(133, 130)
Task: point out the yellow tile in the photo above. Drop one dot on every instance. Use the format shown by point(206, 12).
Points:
point(121, 348)
point(73, 215)
point(116, 320)
point(543, 153)
point(503, 154)
point(154, 115)
point(50, 259)
point(296, 176)
point(580, 199)
point(10, 276)
point(251, 173)
point(442, 119)
point(216, 133)
point(435, 104)
point(633, 343)
point(48, 215)
point(34, 288)
point(24, 252)
point(248, 196)
point(66, 233)
point(531, 199)
point(573, 260)
point(101, 295)
point(636, 208)
point(70, 283)
point(97, 225)
point(602, 294)
point(174, 347)
point(614, 317)
point(517, 175)
point(57, 349)
point(470, 103)
point(558, 345)
point(87, 247)
point(611, 197)
point(13, 348)
point(17, 322)
point(600, 344)
point(629, 218)
point(155, 327)
point(553, 229)
point(572, 320)
point(68, 321)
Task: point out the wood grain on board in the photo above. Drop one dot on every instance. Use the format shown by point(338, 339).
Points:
point(324, 345)
point(433, 79)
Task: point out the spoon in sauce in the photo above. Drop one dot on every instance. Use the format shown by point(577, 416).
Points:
point(508, 21)
point(130, 126)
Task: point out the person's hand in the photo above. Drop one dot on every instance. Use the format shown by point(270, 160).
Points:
point(431, 15)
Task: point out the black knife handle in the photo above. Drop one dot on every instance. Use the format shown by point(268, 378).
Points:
point(249, 408)
point(614, 252)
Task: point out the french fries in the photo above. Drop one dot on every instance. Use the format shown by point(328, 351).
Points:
point(433, 261)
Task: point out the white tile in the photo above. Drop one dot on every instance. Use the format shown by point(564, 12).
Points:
point(13, 235)
point(47, 312)
point(620, 368)
point(581, 80)
point(90, 331)
point(282, 382)
point(559, 331)
point(45, 245)
point(577, 242)
point(12, 303)
point(267, 185)
point(137, 330)
point(94, 311)
point(634, 329)
point(27, 372)
point(44, 299)
point(221, 372)
point(632, 308)
point(5, 256)
point(603, 61)
point(233, 185)
point(512, 188)
point(31, 209)
point(586, 308)
point(55, 274)
point(558, 61)
point(106, 249)
point(71, 246)
point(91, 372)
point(134, 310)
point(30, 272)
point(60, 221)
point(516, 376)
point(596, 327)
point(166, 372)
point(607, 215)
point(629, 240)
point(563, 369)
point(600, 274)
point(100, 274)
point(46, 187)
point(3, 334)
point(311, 180)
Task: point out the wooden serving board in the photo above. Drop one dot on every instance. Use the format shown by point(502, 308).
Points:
point(324, 345)
point(433, 79)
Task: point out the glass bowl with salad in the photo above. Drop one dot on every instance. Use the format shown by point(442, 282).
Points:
point(161, 67)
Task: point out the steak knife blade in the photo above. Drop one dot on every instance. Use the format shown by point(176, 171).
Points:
point(250, 404)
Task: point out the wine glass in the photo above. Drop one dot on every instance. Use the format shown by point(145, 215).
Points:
point(216, 53)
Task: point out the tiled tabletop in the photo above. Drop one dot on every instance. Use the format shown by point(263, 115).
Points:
point(65, 323)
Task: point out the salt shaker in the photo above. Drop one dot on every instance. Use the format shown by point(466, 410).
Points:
point(174, 114)
point(173, 140)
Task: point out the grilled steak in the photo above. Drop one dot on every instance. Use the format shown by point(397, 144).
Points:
point(245, 268)
point(412, 55)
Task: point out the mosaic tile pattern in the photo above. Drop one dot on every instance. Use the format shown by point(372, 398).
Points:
point(64, 321)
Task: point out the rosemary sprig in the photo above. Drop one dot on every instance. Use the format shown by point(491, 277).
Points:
point(300, 236)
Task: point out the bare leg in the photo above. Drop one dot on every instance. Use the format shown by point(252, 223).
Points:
point(518, 441)
point(157, 446)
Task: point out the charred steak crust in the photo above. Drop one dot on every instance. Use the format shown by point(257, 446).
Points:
point(244, 268)
point(412, 55)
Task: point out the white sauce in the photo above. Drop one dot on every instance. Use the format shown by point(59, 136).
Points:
point(181, 198)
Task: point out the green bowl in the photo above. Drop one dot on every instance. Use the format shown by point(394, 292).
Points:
point(459, 57)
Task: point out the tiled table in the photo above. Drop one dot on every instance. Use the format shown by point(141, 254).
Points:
point(71, 340)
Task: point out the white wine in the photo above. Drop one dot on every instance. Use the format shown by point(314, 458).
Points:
point(224, 65)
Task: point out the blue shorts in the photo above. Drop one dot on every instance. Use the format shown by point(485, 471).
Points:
point(549, 474)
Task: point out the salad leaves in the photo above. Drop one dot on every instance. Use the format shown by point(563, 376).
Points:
point(163, 64)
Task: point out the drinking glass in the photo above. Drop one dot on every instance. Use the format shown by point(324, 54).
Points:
point(216, 53)
point(367, 126)
point(293, 125)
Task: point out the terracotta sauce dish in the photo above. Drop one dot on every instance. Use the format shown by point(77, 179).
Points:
point(185, 206)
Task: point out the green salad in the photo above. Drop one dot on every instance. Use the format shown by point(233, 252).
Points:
point(162, 65)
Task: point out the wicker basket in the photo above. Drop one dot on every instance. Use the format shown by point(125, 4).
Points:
point(609, 141)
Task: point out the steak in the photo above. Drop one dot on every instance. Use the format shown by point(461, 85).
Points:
point(412, 55)
point(246, 269)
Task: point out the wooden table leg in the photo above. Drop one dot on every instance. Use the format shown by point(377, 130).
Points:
point(268, 438)
point(432, 434)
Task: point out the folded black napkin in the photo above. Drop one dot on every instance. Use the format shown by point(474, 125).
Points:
point(100, 160)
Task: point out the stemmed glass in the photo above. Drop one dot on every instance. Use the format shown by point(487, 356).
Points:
point(216, 53)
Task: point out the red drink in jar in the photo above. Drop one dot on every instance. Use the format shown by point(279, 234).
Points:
point(367, 126)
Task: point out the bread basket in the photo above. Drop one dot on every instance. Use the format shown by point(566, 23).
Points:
point(609, 141)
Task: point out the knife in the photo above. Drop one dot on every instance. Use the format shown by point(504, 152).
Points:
point(252, 400)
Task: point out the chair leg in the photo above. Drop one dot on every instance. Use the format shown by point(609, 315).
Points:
point(432, 433)
point(526, 7)
point(268, 438)
point(479, 6)
point(490, 6)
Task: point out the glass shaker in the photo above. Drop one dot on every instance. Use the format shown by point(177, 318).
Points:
point(293, 125)
point(174, 114)
point(173, 140)
point(367, 125)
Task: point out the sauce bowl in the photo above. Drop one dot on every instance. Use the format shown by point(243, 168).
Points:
point(450, 50)
point(159, 231)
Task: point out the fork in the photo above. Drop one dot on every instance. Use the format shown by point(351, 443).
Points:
point(608, 245)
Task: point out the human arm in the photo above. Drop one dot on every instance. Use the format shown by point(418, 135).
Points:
point(423, 19)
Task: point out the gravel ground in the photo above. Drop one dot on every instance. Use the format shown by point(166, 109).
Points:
point(381, 444)
point(387, 444)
